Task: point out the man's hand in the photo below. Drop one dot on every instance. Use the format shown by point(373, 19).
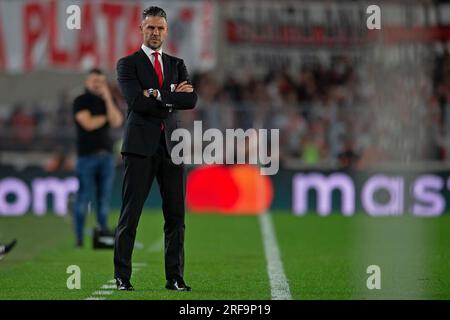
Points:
point(154, 94)
point(113, 115)
point(184, 87)
point(105, 92)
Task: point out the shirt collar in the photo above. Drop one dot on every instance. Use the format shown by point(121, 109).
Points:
point(149, 51)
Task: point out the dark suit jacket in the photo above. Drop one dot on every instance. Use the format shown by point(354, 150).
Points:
point(142, 132)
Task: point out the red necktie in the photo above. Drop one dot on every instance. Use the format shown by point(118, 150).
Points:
point(158, 69)
point(159, 74)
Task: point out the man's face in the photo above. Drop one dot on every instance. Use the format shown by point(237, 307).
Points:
point(95, 82)
point(154, 31)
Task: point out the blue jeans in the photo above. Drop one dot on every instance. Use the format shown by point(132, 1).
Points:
point(98, 170)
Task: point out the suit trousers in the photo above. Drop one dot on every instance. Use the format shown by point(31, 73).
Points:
point(139, 173)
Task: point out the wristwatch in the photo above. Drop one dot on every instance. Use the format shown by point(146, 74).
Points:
point(150, 92)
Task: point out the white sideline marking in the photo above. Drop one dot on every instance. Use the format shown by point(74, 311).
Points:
point(139, 264)
point(108, 286)
point(102, 292)
point(156, 246)
point(278, 282)
point(105, 289)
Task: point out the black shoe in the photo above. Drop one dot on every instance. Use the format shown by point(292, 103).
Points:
point(103, 239)
point(10, 245)
point(177, 285)
point(105, 232)
point(4, 249)
point(123, 284)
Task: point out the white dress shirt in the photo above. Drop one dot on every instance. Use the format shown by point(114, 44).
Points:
point(149, 52)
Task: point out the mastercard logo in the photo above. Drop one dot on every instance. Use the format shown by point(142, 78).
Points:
point(237, 189)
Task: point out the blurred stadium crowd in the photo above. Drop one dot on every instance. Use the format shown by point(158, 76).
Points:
point(328, 115)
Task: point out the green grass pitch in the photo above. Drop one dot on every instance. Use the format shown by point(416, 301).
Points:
point(323, 258)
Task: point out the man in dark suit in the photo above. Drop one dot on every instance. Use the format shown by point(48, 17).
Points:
point(155, 86)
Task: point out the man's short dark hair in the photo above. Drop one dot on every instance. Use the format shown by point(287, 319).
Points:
point(95, 71)
point(154, 12)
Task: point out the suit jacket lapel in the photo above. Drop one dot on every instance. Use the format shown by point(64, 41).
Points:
point(166, 71)
point(148, 69)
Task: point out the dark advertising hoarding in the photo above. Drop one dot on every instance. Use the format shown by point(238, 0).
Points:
point(376, 193)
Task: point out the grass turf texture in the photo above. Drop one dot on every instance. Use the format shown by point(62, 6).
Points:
point(324, 258)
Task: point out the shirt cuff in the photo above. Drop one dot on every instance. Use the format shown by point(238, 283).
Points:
point(159, 95)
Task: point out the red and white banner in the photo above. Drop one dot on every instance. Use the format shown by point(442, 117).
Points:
point(34, 34)
point(289, 34)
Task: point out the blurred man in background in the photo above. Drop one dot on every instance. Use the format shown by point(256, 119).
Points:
point(95, 113)
point(6, 248)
